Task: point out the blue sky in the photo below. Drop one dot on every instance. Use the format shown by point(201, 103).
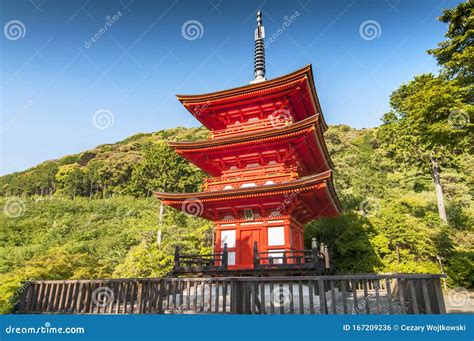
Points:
point(55, 81)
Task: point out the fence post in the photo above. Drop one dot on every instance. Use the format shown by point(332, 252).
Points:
point(314, 251)
point(439, 295)
point(161, 294)
point(240, 298)
point(236, 302)
point(326, 257)
point(139, 297)
point(256, 256)
point(30, 299)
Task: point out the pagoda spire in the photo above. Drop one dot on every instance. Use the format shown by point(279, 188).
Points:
point(259, 61)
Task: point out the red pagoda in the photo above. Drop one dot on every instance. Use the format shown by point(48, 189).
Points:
point(270, 171)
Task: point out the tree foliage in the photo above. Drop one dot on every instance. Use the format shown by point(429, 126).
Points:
point(62, 238)
point(429, 118)
point(456, 53)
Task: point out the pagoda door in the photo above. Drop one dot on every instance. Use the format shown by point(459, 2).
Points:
point(247, 239)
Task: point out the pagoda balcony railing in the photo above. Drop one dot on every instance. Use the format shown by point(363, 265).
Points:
point(309, 259)
point(270, 122)
point(221, 183)
point(206, 263)
point(314, 260)
point(275, 167)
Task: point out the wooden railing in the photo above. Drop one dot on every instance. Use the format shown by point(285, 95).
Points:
point(380, 294)
point(219, 183)
point(244, 127)
point(193, 263)
point(259, 169)
point(308, 262)
point(318, 261)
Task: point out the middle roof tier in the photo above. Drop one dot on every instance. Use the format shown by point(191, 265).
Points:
point(300, 145)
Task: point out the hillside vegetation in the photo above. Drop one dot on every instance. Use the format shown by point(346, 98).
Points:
point(406, 188)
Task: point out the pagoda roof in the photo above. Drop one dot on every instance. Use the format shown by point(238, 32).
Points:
point(201, 153)
point(317, 191)
point(202, 106)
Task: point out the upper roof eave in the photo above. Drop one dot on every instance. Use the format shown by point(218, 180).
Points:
point(250, 88)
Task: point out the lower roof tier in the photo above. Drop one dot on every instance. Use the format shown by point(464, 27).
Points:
point(305, 199)
point(301, 143)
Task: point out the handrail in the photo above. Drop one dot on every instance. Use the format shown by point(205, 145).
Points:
point(265, 176)
point(277, 166)
point(254, 125)
point(258, 180)
point(351, 276)
point(313, 258)
point(207, 261)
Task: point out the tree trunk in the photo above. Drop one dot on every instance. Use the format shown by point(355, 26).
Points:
point(439, 191)
point(160, 224)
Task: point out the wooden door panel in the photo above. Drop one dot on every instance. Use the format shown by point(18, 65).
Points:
point(247, 238)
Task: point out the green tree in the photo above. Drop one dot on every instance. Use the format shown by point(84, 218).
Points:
point(456, 53)
point(161, 169)
point(421, 130)
point(70, 179)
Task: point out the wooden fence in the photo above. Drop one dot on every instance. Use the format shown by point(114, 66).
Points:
point(351, 294)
